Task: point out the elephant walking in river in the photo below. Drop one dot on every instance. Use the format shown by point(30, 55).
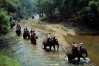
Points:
point(51, 42)
point(12, 24)
point(18, 30)
point(26, 34)
point(78, 54)
point(33, 38)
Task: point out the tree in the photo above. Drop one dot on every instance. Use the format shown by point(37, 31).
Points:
point(4, 21)
point(90, 14)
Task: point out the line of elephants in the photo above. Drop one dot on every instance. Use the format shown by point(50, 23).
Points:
point(31, 35)
point(49, 42)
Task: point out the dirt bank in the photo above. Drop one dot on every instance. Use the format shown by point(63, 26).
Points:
point(67, 33)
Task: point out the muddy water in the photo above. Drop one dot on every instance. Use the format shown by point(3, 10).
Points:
point(91, 43)
point(33, 55)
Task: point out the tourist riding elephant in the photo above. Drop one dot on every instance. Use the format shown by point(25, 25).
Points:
point(12, 24)
point(33, 38)
point(18, 32)
point(77, 54)
point(26, 34)
point(51, 42)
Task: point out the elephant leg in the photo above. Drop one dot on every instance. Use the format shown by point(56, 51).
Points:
point(11, 26)
point(44, 47)
point(70, 57)
point(78, 58)
point(28, 36)
point(54, 47)
point(31, 41)
point(50, 47)
point(35, 41)
point(20, 31)
point(24, 36)
point(83, 57)
point(57, 47)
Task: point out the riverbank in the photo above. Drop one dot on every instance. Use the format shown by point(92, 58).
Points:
point(67, 33)
point(28, 54)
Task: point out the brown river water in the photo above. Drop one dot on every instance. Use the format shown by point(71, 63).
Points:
point(28, 54)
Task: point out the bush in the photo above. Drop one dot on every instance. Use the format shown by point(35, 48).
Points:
point(4, 21)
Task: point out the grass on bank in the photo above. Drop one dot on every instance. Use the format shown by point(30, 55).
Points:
point(35, 24)
point(6, 61)
point(41, 26)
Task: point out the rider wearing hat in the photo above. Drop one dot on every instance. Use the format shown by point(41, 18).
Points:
point(80, 47)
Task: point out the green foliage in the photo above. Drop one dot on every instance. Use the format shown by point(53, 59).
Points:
point(89, 15)
point(86, 15)
point(86, 10)
point(4, 21)
point(16, 8)
point(25, 7)
point(20, 7)
point(49, 7)
point(61, 7)
point(8, 6)
point(5, 61)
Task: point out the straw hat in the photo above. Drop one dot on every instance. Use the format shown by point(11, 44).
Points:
point(81, 43)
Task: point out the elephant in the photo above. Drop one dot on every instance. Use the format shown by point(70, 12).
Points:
point(12, 24)
point(39, 15)
point(26, 18)
point(18, 19)
point(33, 38)
point(18, 31)
point(51, 43)
point(11, 19)
point(32, 17)
point(26, 34)
point(78, 54)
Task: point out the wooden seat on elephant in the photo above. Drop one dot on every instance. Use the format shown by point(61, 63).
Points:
point(50, 42)
point(45, 40)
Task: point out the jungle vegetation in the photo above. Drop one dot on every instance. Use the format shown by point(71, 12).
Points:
point(14, 8)
point(84, 11)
